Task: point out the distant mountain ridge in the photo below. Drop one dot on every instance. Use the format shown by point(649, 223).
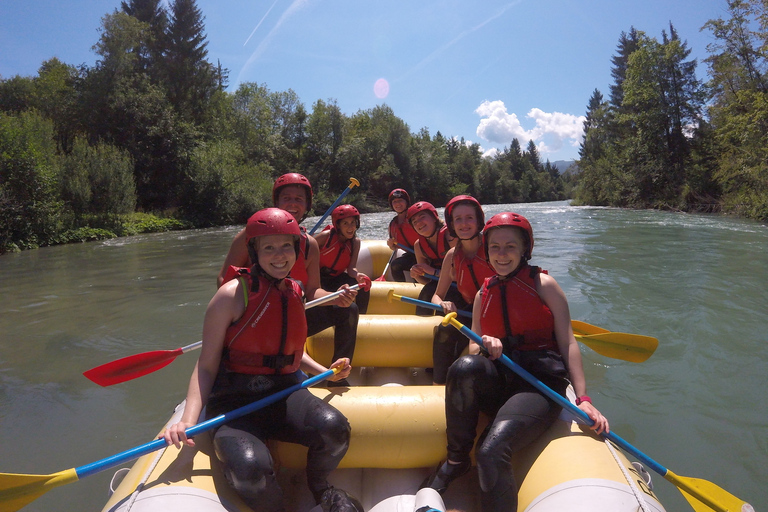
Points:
point(563, 165)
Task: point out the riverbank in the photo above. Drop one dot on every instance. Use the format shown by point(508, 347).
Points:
point(144, 223)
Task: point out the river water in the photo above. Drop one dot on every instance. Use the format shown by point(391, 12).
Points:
point(697, 283)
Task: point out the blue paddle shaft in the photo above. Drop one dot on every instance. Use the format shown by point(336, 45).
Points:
point(157, 444)
point(330, 209)
point(566, 404)
point(431, 305)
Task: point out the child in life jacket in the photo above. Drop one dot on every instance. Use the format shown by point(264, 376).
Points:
point(253, 346)
point(522, 312)
point(401, 233)
point(431, 247)
point(292, 192)
point(339, 248)
point(466, 265)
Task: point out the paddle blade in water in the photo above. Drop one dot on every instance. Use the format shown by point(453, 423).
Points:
point(635, 348)
point(131, 367)
point(704, 496)
point(16, 491)
point(580, 327)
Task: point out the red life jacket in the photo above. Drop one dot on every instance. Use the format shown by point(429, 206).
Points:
point(336, 255)
point(403, 233)
point(299, 270)
point(512, 310)
point(269, 338)
point(471, 273)
point(435, 255)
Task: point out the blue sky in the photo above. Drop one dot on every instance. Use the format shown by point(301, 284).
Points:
point(486, 71)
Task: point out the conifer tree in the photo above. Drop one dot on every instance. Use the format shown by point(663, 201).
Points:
point(595, 129)
point(532, 152)
point(191, 78)
point(628, 43)
point(151, 53)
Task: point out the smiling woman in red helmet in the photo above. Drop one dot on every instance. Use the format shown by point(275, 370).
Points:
point(339, 248)
point(253, 346)
point(465, 264)
point(401, 232)
point(430, 249)
point(521, 312)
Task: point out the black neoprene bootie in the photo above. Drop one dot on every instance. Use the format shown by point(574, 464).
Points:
point(444, 474)
point(339, 500)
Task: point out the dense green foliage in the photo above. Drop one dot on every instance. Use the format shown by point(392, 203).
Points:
point(665, 140)
point(150, 128)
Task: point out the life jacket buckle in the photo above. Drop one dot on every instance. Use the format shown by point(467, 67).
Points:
point(278, 361)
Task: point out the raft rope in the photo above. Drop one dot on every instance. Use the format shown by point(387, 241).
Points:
point(638, 495)
point(147, 473)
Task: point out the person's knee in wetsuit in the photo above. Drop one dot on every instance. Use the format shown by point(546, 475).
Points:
point(334, 283)
point(401, 266)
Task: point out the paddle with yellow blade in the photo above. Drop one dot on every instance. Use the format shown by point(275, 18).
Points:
point(138, 365)
point(635, 348)
point(703, 496)
point(16, 491)
point(352, 184)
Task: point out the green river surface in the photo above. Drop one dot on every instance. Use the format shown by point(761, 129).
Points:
point(697, 283)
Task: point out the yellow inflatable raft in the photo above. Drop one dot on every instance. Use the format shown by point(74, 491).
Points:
point(398, 437)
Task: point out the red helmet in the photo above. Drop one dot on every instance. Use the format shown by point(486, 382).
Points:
point(463, 199)
point(344, 211)
point(421, 206)
point(399, 193)
point(271, 221)
point(292, 178)
point(514, 220)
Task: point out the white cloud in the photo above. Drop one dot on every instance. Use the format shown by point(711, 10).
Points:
point(489, 153)
point(551, 132)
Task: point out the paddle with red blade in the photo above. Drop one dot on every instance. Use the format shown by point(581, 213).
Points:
point(138, 365)
point(383, 276)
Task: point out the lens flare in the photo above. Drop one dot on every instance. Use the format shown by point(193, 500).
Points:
point(381, 88)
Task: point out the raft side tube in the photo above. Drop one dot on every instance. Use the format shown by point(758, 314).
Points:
point(393, 341)
point(379, 303)
point(393, 427)
point(373, 257)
